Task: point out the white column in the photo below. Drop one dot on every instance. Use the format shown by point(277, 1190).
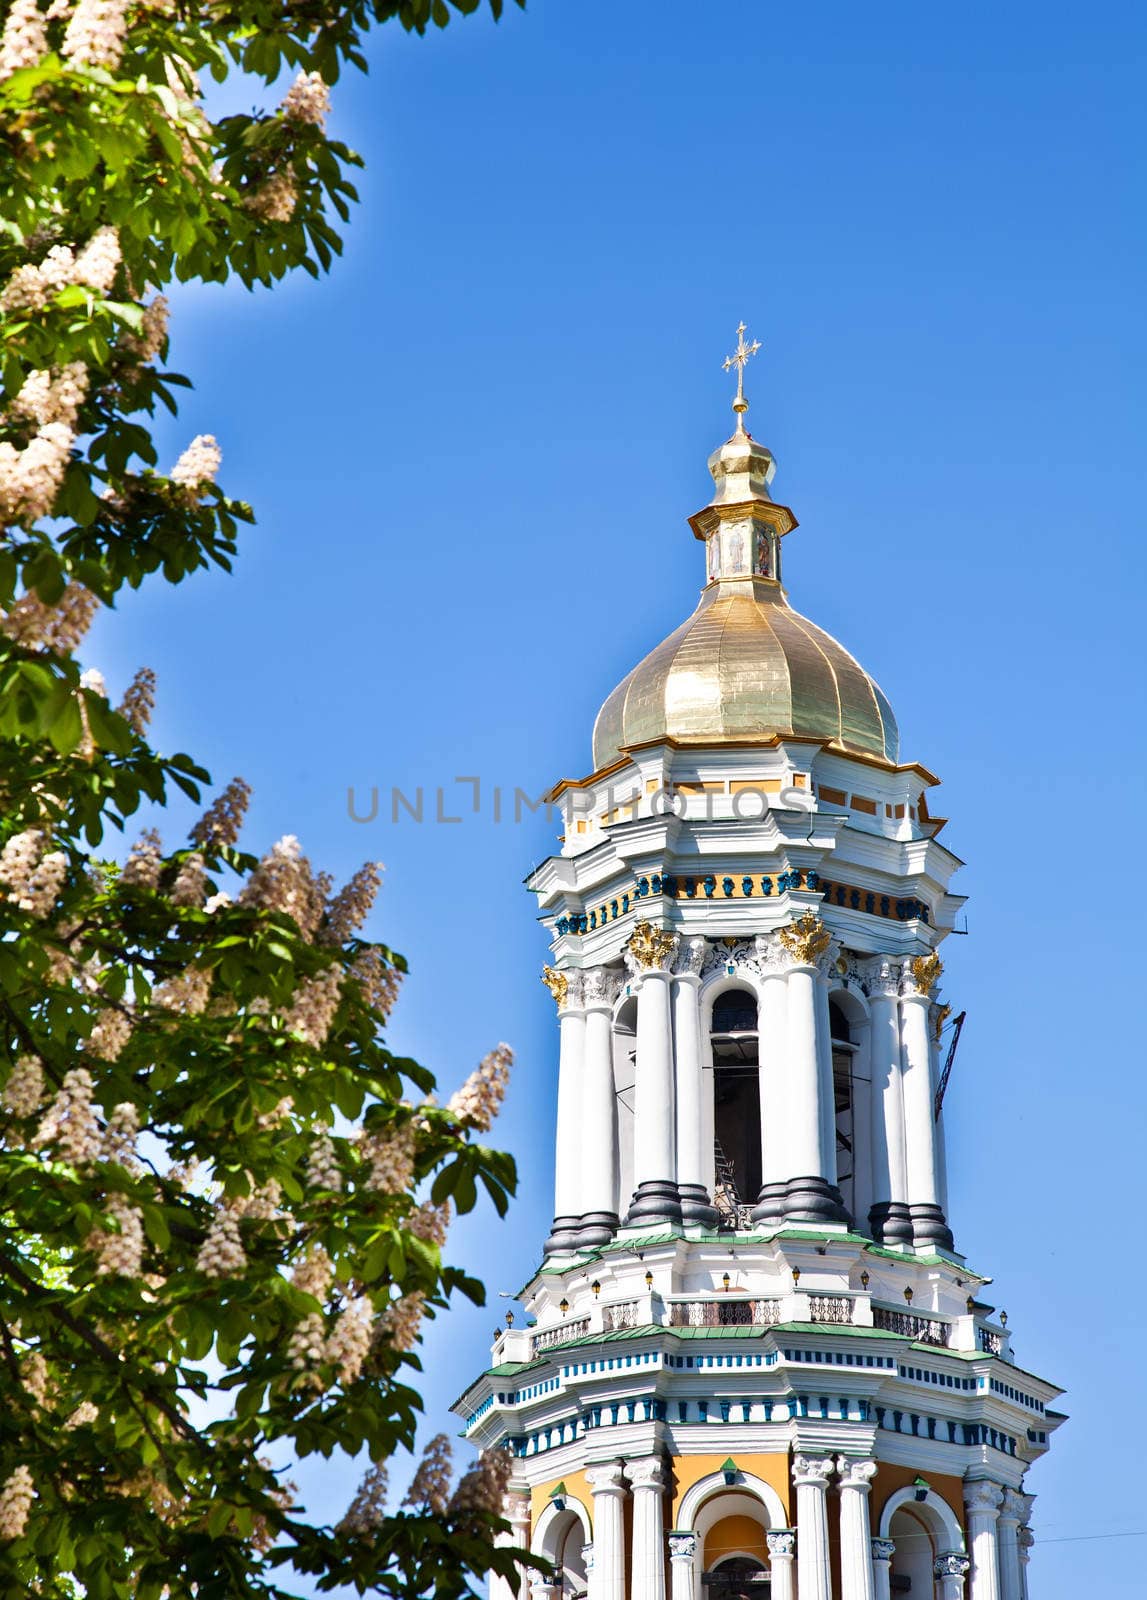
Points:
point(682, 1565)
point(810, 1188)
point(692, 1168)
point(861, 1123)
point(855, 1530)
point(950, 1569)
point(882, 1552)
point(928, 1225)
point(542, 1588)
point(826, 1095)
point(607, 1486)
point(811, 1475)
point(889, 1160)
point(1026, 1540)
point(516, 1511)
point(1013, 1509)
point(567, 990)
point(518, 1516)
point(647, 1480)
point(599, 1147)
point(654, 1141)
point(982, 1501)
point(782, 1546)
point(772, 1040)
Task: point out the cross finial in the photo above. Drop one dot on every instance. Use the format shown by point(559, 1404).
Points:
point(740, 355)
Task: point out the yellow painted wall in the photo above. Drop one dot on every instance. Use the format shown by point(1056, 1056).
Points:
point(736, 1535)
point(774, 1469)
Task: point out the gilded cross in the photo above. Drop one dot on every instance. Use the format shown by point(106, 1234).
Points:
point(740, 355)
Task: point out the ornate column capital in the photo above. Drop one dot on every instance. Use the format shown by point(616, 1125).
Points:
point(650, 949)
point(806, 941)
point(782, 1543)
point(882, 978)
point(812, 1470)
point(1027, 1539)
point(883, 1549)
point(682, 1546)
point(607, 1478)
point(600, 988)
point(951, 1564)
point(983, 1497)
point(565, 986)
point(1013, 1507)
point(648, 1473)
point(855, 1474)
point(516, 1506)
point(690, 958)
point(923, 975)
point(587, 1558)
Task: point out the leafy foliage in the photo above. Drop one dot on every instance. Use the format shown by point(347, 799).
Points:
point(214, 1258)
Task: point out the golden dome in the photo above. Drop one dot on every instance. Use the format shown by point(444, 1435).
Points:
point(745, 665)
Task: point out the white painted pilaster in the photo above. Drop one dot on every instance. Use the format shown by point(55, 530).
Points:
point(811, 1475)
point(1013, 1509)
point(647, 1481)
point(855, 1529)
point(982, 1501)
point(607, 1485)
point(599, 1149)
point(919, 1124)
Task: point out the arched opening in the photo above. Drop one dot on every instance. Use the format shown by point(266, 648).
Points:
point(738, 1578)
point(734, 1555)
point(570, 1560)
point(844, 1053)
point(624, 1074)
point(736, 1101)
point(561, 1537)
point(915, 1555)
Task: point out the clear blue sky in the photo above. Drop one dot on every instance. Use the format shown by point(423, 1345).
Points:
point(472, 450)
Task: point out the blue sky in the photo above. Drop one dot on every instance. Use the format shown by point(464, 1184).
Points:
point(472, 450)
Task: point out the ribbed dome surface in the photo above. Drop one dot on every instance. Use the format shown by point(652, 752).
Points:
point(744, 666)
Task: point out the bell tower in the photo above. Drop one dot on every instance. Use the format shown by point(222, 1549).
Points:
point(754, 1361)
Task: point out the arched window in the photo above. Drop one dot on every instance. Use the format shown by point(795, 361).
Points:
point(736, 1101)
point(844, 1051)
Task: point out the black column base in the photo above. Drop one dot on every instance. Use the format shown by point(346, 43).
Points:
point(696, 1205)
point(770, 1206)
point(565, 1236)
point(813, 1200)
point(597, 1227)
point(890, 1222)
point(654, 1201)
point(930, 1230)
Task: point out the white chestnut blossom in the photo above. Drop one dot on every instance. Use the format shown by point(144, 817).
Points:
point(482, 1488)
point(349, 1344)
point(98, 262)
point(430, 1486)
point(307, 100)
point(390, 1152)
point(221, 1255)
point(275, 198)
point(110, 1034)
point(400, 1322)
point(190, 886)
point(58, 628)
point(323, 1170)
point(30, 478)
point(313, 1008)
point(95, 34)
point(69, 1122)
point(480, 1098)
point(45, 397)
point(15, 1503)
point(367, 1509)
point(25, 38)
point(24, 1091)
point(196, 468)
point(120, 1252)
point(143, 866)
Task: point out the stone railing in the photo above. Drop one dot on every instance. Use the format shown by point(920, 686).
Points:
point(562, 1334)
point(625, 1314)
point(724, 1312)
point(830, 1308)
point(926, 1330)
point(989, 1340)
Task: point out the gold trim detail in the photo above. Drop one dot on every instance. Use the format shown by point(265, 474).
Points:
point(926, 972)
point(942, 1015)
point(649, 946)
point(806, 939)
point(557, 983)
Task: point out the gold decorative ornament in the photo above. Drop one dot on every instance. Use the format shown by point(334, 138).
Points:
point(942, 1015)
point(557, 983)
point(738, 359)
point(806, 939)
point(926, 972)
point(649, 946)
